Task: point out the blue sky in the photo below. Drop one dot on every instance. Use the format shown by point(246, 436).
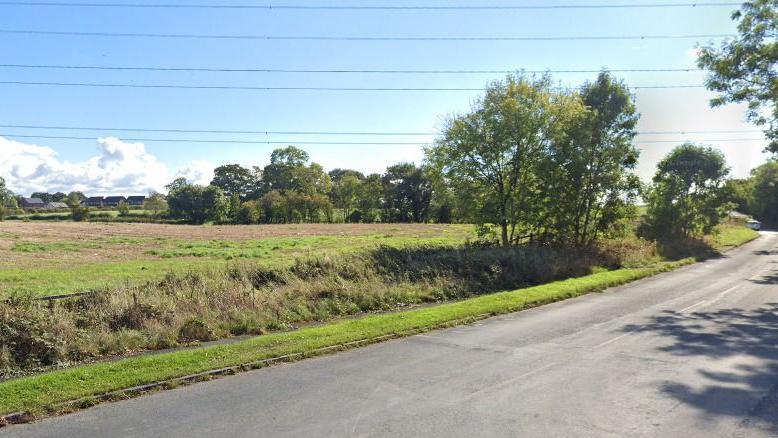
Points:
point(662, 110)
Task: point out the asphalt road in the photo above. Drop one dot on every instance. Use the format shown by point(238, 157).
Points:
point(692, 353)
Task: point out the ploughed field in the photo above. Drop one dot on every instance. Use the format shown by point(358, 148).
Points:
point(53, 258)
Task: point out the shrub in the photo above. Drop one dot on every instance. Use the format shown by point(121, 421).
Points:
point(79, 213)
point(195, 330)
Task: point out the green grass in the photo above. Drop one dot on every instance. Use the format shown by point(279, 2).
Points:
point(40, 393)
point(53, 246)
point(283, 249)
point(56, 280)
point(179, 256)
point(731, 236)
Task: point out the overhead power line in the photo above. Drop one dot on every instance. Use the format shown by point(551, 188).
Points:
point(362, 38)
point(360, 71)
point(269, 6)
point(365, 143)
point(301, 132)
point(259, 88)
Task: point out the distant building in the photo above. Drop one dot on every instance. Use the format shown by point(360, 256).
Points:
point(56, 205)
point(113, 201)
point(94, 201)
point(136, 201)
point(32, 203)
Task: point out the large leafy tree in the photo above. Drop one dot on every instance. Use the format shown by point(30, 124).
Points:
point(589, 178)
point(408, 192)
point(490, 156)
point(744, 69)
point(688, 197)
point(235, 179)
point(197, 204)
point(764, 181)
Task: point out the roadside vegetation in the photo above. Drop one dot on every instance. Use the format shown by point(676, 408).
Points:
point(52, 392)
point(248, 298)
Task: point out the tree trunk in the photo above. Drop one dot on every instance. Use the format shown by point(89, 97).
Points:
point(505, 240)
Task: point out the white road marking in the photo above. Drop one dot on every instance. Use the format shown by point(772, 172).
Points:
point(614, 339)
point(686, 309)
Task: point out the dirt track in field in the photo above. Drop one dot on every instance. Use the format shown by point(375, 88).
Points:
point(75, 231)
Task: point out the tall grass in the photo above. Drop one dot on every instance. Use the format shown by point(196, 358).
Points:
point(247, 298)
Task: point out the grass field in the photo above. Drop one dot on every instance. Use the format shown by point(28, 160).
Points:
point(54, 258)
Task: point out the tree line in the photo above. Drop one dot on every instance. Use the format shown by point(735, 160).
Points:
point(292, 189)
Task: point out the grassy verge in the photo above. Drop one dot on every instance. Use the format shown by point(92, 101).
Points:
point(41, 393)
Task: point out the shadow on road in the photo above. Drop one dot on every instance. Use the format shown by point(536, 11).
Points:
point(727, 337)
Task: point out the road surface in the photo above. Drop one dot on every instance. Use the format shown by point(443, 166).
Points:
point(693, 353)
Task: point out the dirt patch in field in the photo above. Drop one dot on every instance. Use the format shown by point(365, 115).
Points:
point(75, 231)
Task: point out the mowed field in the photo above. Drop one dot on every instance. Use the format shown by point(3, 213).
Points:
point(52, 258)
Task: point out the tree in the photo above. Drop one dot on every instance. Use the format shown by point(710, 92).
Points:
point(590, 184)
point(490, 155)
point(408, 192)
point(370, 198)
point(74, 198)
point(235, 179)
point(123, 208)
point(43, 196)
point(7, 199)
point(249, 213)
point(197, 204)
point(765, 193)
point(687, 199)
point(280, 173)
point(345, 193)
point(156, 204)
point(744, 69)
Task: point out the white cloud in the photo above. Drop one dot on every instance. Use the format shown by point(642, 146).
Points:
point(118, 168)
point(197, 172)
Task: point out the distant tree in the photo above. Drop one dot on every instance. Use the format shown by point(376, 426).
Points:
point(156, 204)
point(337, 174)
point(43, 196)
point(197, 204)
point(490, 155)
point(123, 208)
point(7, 199)
point(273, 207)
point(235, 179)
point(280, 174)
point(74, 198)
point(177, 184)
point(744, 69)
point(408, 192)
point(345, 193)
point(249, 213)
point(687, 198)
point(79, 213)
point(765, 192)
point(370, 198)
point(58, 197)
point(234, 208)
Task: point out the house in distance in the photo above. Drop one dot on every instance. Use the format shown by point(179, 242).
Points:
point(136, 201)
point(113, 201)
point(32, 203)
